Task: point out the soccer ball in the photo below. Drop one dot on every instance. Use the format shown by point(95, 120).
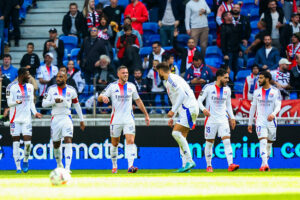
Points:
point(59, 176)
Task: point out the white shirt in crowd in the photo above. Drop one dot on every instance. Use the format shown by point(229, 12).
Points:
point(193, 19)
point(156, 81)
point(46, 73)
point(275, 17)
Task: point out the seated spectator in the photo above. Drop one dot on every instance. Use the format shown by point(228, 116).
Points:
point(104, 29)
point(289, 30)
point(259, 38)
point(281, 78)
point(89, 12)
point(105, 72)
point(169, 59)
point(114, 12)
point(186, 54)
point(157, 54)
point(4, 107)
point(54, 46)
point(157, 87)
point(267, 57)
point(70, 81)
point(293, 49)
point(7, 69)
point(128, 21)
point(251, 83)
point(76, 75)
point(295, 77)
point(74, 23)
point(168, 16)
point(230, 82)
point(90, 51)
point(30, 60)
point(198, 74)
point(128, 46)
point(138, 13)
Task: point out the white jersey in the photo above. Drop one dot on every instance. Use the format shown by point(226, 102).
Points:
point(265, 102)
point(20, 113)
point(251, 84)
point(45, 73)
point(218, 103)
point(180, 93)
point(121, 98)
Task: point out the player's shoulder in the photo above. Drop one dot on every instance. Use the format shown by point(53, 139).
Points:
point(257, 91)
point(11, 85)
point(71, 88)
point(130, 84)
point(275, 89)
point(227, 88)
point(52, 87)
point(172, 80)
point(29, 85)
point(208, 86)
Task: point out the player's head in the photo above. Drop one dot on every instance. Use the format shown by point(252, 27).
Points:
point(264, 78)
point(255, 69)
point(23, 75)
point(63, 69)
point(163, 70)
point(222, 76)
point(123, 73)
point(197, 60)
point(61, 78)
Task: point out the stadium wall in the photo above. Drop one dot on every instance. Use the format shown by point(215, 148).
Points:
point(156, 149)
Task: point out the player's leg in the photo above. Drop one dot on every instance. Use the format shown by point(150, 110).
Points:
point(27, 135)
point(67, 134)
point(131, 150)
point(57, 153)
point(115, 133)
point(271, 139)
point(262, 133)
point(15, 131)
point(56, 129)
point(210, 131)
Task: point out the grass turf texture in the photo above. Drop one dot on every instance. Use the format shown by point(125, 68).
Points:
point(155, 184)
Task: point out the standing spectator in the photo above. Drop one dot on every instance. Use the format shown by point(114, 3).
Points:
point(128, 46)
point(259, 38)
point(168, 16)
point(105, 31)
point(294, 23)
point(11, 16)
point(287, 6)
point(74, 23)
point(4, 107)
point(295, 77)
point(89, 12)
point(138, 13)
point(226, 6)
point(30, 60)
point(251, 83)
point(281, 78)
point(196, 22)
point(293, 49)
point(230, 41)
point(186, 54)
point(7, 69)
point(275, 20)
point(169, 59)
point(288, 31)
point(263, 6)
point(75, 74)
point(157, 54)
point(128, 21)
point(198, 74)
point(2, 9)
point(54, 46)
point(114, 12)
point(267, 57)
point(90, 51)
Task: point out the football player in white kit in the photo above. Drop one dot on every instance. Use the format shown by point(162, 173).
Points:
point(218, 107)
point(266, 103)
point(61, 97)
point(185, 104)
point(121, 94)
point(20, 99)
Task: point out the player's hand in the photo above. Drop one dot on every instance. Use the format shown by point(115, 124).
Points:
point(170, 114)
point(147, 120)
point(232, 123)
point(250, 128)
point(170, 122)
point(271, 117)
point(206, 113)
point(105, 99)
point(82, 126)
point(58, 100)
point(18, 101)
point(38, 115)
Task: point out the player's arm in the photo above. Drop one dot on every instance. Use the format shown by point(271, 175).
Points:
point(32, 107)
point(105, 94)
point(10, 99)
point(78, 109)
point(48, 100)
point(230, 111)
point(277, 107)
point(201, 98)
point(252, 112)
point(179, 101)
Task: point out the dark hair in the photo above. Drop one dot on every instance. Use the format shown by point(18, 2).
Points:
point(224, 14)
point(137, 70)
point(268, 36)
point(73, 4)
point(163, 66)
point(266, 74)
point(272, 1)
point(167, 56)
point(225, 67)
point(157, 42)
point(99, 6)
point(253, 66)
point(221, 72)
point(122, 67)
point(7, 56)
point(127, 27)
point(105, 17)
point(62, 66)
point(127, 18)
point(30, 43)
point(22, 71)
point(197, 56)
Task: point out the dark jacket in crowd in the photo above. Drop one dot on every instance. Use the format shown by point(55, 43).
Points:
point(285, 38)
point(2, 7)
point(259, 36)
point(5, 83)
point(183, 54)
point(33, 60)
point(80, 24)
point(175, 4)
point(269, 21)
point(244, 22)
point(10, 4)
point(114, 14)
point(60, 50)
point(230, 38)
point(272, 60)
point(295, 79)
point(70, 81)
point(89, 53)
point(143, 89)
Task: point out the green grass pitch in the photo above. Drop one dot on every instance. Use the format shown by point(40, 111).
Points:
point(155, 184)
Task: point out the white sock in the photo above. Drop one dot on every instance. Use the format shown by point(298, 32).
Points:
point(114, 155)
point(182, 157)
point(57, 155)
point(208, 153)
point(183, 144)
point(16, 154)
point(269, 149)
point(228, 151)
point(131, 154)
point(263, 151)
point(68, 155)
point(27, 150)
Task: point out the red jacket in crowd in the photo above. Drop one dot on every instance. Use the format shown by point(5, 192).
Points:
point(140, 12)
point(126, 41)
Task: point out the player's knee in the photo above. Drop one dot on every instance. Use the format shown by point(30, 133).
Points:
point(56, 145)
point(115, 143)
point(211, 141)
point(176, 134)
point(225, 137)
point(68, 140)
point(16, 138)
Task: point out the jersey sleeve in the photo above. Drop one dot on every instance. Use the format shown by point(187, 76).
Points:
point(202, 96)
point(277, 103)
point(39, 73)
point(74, 97)
point(32, 105)
point(107, 91)
point(135, 94)
point(48, 99)
point(229, 105)
point(11, 102)
point(252, 109)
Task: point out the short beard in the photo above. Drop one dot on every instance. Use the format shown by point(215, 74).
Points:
point(60, 84)
point(262, 84)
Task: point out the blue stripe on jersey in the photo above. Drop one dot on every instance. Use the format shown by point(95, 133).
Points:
point(125, 89)
point(267, 93)
point(221, 92)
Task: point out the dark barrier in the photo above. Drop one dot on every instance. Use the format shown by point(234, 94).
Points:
point(156, 149)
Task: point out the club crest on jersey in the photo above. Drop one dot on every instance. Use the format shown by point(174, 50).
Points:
point(129, 90)
point(68, 94)
point(225, 92)
point(271, 95)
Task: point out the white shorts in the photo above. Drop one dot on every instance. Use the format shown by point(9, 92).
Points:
point(16, 129)
point(61, 126)
point(266, 132)
point(116, 130)
point(187, 117)
point(211, 130)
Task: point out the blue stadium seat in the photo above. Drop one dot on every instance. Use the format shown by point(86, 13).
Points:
point(182, 39)
point(210, 39)
point(153, 14)
point(242, 74)
point(123, 3)
point(238, 87)
point(209, 3)
point(254, 28)
point(231, 75)
point(214, 62)
point(252, 38)
point(293, 95)
point(168, 48)
point(211, 17)
point(213, 51)
point(254, 15)
point(250, 62)
point(212, 27)
point(74, 53)
point(240, 62)
point(152, 38)
point(150, 27)
point(145, 51)
point(65, 63)
point(0, 46)
point(66, 55)
point(70, 42)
